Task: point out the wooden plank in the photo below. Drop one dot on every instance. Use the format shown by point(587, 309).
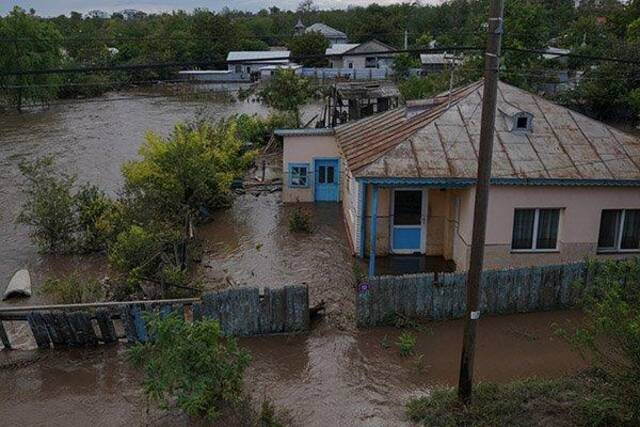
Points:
point(83, 328)
point(264, 316)
point(55, 333)
point(196, 312)
point(127, 323)
point(63, 324)
point(39, 329)
point(278, 310)
point(4, 337)
point(139, 323)
point(107, 328)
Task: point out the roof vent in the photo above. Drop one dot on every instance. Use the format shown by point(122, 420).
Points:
point(516, 119)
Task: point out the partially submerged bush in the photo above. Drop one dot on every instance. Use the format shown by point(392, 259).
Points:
point(189, 172)
point(300, 221)
point(62, 220)
point(609, 336)
point(191, 367)
point(73, 289)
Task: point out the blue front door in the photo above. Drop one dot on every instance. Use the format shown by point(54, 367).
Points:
point(407, 225)
point(326, 180)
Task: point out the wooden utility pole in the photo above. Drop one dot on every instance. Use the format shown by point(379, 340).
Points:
point(485, 154)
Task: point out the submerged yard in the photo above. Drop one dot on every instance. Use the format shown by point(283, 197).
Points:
point(336, 375)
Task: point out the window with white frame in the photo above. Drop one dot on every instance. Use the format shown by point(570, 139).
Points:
point(619, 230)
point(298, 175)
point(535, 229)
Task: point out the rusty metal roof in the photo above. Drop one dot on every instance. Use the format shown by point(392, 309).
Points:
point(443, 141)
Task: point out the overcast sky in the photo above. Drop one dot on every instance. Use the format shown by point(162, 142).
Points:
point(58, 7)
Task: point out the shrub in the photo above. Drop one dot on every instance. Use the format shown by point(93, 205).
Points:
point(300, 221)
point(191, 366)
point(73, 289)
point(61, 220)
point(610, 333)
point(423, 87)
point(49, 208)
point(406, 344)
point(187, 173)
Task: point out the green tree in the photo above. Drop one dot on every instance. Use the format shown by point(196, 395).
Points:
point(188, 172)
point(309, 44)
point(287, 91)
point(610, 332)
point(192, 367)
point(28, 43)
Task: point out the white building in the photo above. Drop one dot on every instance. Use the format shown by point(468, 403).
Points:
point(371, 54)
point(252, 61)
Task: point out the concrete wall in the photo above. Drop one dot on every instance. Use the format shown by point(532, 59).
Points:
point(303, 149)
point(581, 208)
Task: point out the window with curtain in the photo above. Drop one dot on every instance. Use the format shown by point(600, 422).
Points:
point(535, 229)
point(619, 230)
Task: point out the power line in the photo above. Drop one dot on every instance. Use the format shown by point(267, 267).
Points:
point(132, 67)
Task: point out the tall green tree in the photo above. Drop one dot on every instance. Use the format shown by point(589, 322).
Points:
point(28, 43)
point(309, 44)
point(287, 92)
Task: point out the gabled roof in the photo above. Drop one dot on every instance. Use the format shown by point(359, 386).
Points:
point(340, 48)
point(325, 30)
point(368, 46)
point(443, 140)
point(258, 55)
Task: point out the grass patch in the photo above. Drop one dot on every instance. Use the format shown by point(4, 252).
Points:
point(583, 400)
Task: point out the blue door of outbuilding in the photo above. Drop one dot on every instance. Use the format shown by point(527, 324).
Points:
point(326, 180)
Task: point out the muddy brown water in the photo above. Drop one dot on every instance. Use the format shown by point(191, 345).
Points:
point(336, 375)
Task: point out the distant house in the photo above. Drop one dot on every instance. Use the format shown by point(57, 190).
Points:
point(559, 77)
point(564, 186)
point(437, 62)
point(252, 61)
point(371, 54)
point(331, 34)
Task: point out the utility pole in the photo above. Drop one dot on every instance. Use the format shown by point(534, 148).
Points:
point(485, 154)
point(406, 39)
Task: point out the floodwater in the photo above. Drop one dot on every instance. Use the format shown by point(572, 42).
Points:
point(326, 378)
point(336, 375)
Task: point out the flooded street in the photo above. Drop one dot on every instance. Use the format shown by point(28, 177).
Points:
point(335, 375)
point(325, 378)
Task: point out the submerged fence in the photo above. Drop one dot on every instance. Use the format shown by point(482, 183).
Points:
point(440, 297)
point(240, 312)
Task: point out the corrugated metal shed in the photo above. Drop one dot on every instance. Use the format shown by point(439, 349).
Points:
point(325, 30)
point(443, 141)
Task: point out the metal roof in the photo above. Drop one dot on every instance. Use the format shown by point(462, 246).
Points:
point(325, 30)
point(304, 132)
point(442, 141)
point(258, 55)
point(439, 59)
point(340, 48)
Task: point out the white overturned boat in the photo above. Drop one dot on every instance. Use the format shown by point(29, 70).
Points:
point(19, 286)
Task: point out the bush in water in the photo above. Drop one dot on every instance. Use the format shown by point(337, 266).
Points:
point(191, 366)
point(73, 289)
point(300, 221)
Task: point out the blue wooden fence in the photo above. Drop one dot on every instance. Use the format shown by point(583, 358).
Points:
point(441, 297)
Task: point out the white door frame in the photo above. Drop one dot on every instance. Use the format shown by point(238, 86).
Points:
point(423, 220)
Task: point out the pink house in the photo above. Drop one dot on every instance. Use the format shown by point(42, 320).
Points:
point(564, 187)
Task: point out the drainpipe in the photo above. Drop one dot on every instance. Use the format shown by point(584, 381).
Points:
point(372, 231)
